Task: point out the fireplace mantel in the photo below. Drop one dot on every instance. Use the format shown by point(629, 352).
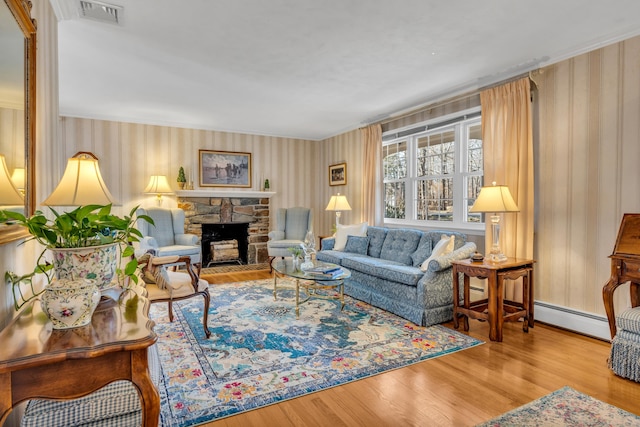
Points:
point(226, 193)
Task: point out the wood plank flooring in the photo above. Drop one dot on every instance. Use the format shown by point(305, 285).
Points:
point(461, 389)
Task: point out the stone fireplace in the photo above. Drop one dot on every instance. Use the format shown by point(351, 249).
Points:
point(228, 208)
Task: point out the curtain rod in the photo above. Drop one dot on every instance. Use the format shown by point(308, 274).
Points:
point(448, 100)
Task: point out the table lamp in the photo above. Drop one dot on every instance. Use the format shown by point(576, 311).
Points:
point(338, 203)
point(495, 199)
point(9, 194)
point(158, 185)
point(17, 177)
point(81, 184)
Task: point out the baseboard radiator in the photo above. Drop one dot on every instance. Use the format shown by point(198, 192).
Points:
point(575, 320)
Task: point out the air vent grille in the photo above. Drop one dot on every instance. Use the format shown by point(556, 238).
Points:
point(101, 11)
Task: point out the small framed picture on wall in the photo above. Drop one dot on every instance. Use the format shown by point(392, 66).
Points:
point(338, 174)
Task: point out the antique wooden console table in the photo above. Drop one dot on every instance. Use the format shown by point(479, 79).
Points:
point(625, 266)
point(495, 309)
point(37, 361)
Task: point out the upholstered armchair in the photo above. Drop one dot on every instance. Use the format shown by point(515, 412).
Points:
point(292, 225)
point(163, 285)
point(167, 236)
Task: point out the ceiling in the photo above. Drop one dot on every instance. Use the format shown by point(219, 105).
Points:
point(311, 69)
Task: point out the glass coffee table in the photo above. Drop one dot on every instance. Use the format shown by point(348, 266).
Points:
point(310, 283)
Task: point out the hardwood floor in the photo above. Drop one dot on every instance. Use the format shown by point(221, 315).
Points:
point(461, 389)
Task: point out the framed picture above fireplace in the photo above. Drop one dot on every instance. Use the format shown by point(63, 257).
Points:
point(224, 169)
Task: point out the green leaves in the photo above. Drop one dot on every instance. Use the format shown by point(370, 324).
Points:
point(89, 225)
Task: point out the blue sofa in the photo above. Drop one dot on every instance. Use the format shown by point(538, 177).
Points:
point(387, 273)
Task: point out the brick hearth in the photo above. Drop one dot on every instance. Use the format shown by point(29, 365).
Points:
point(200, 209)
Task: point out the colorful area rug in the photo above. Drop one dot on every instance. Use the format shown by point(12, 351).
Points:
point(260, 354)
point(565, 407)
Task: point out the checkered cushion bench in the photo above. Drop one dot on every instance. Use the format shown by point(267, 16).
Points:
point(624, 359)
point(115, 405)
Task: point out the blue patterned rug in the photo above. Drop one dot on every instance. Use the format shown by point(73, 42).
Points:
point(565, 407)
point(259, 354)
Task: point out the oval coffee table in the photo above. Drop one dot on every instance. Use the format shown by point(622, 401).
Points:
point(309, 282)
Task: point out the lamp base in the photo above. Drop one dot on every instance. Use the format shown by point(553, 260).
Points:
point(496, 257)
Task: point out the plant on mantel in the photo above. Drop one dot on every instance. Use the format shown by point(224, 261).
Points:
point(84, 227)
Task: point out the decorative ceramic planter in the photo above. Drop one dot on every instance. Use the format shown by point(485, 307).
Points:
point(70, 303)
point(96, 263)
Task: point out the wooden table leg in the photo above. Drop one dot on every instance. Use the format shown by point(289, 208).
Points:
point(149, 397)
point(634, 288)
point(607, 296)
point(531, 297)
point(526, 295)
point(467, 301)
point(499, 315)
point(492, 305)
point(456, 296)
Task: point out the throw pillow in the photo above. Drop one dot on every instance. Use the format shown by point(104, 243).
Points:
point(443, 247)
point(348, 230)
point(146, 269)
point(162, 277)
point(357, 245)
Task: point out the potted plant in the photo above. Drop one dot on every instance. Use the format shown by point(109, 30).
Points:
point(181, 178)
point(84, 243)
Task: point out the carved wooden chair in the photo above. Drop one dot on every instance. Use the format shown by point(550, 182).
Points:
point(167, 286)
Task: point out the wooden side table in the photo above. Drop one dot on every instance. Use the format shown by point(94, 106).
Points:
point(495, 309)
point(37, 361)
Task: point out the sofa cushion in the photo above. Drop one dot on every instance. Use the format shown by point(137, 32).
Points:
point(366, 264)
point(376, 239)
point(405, 274)
point(443, 247)
point(400, 244)
point(343, 231)
point(334, 257)
point(423, 251)
point(357, 245)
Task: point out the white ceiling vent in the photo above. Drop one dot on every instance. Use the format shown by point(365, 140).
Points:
point(100, 11)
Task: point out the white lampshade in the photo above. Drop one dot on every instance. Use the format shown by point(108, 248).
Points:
point(496, 198)
point(158, 184)
point(338, 202)
point(18, 178)
point(81, 184)
point(9, 194)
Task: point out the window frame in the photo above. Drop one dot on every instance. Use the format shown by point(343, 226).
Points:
point(459, 177)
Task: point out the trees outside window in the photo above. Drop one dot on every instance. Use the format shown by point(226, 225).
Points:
point(433, 174)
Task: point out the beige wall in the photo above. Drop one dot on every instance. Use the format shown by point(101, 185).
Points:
point(587, 171)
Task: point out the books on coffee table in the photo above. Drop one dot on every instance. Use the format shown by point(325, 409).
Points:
point(325, 272)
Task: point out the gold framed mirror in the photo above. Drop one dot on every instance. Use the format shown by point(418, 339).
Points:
point(17, 103)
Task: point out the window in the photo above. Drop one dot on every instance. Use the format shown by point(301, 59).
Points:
point(433, 172)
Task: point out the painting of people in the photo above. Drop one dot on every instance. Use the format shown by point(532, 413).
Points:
point(225, 169)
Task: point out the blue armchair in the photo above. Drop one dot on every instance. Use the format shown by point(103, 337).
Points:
point(167, 236)
point(292, 225)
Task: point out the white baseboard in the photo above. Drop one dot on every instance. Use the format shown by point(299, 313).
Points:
point(575, 320)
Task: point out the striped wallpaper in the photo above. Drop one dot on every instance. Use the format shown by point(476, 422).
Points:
point(587, 155)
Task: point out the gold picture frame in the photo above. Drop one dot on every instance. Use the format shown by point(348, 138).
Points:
point(338, 174)
point(224, 169)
